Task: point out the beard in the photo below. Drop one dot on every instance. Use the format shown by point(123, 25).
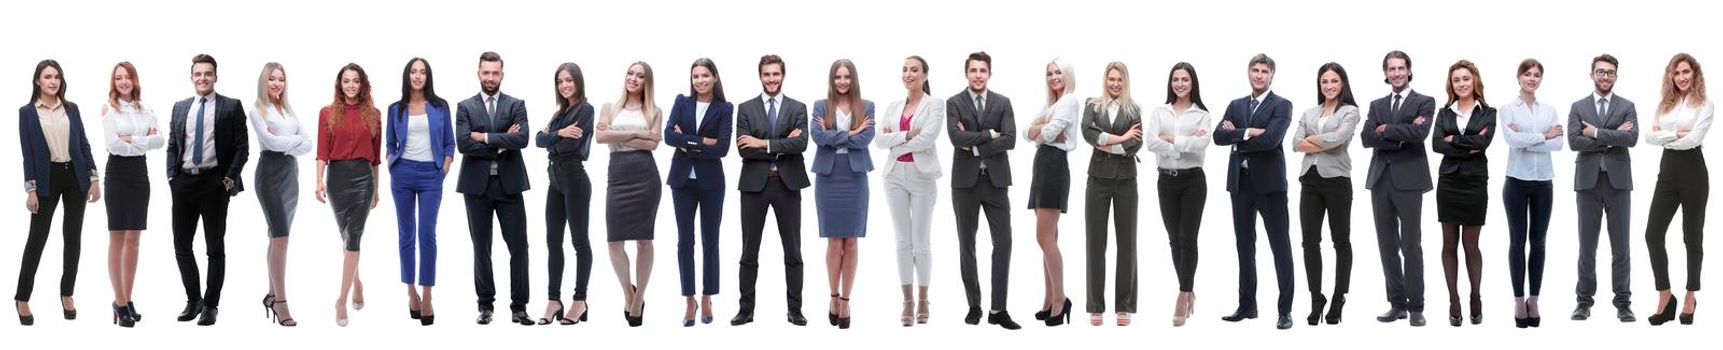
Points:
point(490, 89)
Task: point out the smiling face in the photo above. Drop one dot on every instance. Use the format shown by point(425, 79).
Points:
point(50, 82)
point(1463, 83)
point(350, 85)
point(1330, 85)
point(914, 75)
point(843, 79)
point(702, 79)
point(123, 83)
point(490, 76)
point(1682, 77)
point(1180, 83)
point(635, 81)
point(203, 78)
point(1603, 76)
point(1531, 79)
point(1260, 77)
point(977, 72)
point(417, 74)
point(772, 78)
point(565, 86)
point(277, 84)
point(1055, 78)
point(1115, 83)
point(1399, 73)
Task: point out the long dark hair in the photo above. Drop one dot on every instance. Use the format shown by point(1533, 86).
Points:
point(407, 87)
point(562, 104)
point(717, 81)
point(35, 84)
point(1345, 85)
point(1196, 88)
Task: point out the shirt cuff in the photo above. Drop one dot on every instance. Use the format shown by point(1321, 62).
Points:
point(29, 186)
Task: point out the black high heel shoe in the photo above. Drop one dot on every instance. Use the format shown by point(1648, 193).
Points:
point(1334, 307)
point(276, 316)
point(1477, 311)
point(1687, 318)
point(833, 314)
point(72, 313)
point(844, 321)
point(1063, 317)
point(122, 318)
point(567, 321)
point(1317, 302)
point(132, 309)
point(23, 319)
point(1043, 314)
point(554, 316)
point(1665, 315)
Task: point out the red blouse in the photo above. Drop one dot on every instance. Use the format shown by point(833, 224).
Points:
point(352, 140)
point(903, 124)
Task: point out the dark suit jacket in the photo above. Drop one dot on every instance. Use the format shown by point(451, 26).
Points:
point(1607, 151)
point(1457, 156)
point(35, 148)
point(503, 148)
point(692, 154)
point(566, 149)
point(1103, 164)
point(1399, 151)
point(232, 144)
point(1267, 159)
point(442, 133)
point(786, 151)
point(994, 151)
point(829, 141)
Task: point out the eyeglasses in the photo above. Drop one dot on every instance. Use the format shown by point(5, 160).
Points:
point(1610, 73)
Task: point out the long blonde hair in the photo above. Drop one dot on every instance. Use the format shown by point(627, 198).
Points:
point(857, 106)
point(647, 108)
point(1070, 81)
point(264, 101)
point(1671, 96)
point(1124, 98)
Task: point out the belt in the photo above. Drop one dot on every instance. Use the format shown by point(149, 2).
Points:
point(1176, 172)
point(195, 171)
point(771, 173)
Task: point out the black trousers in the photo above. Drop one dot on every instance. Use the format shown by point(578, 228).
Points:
point(569, 202)
point(1331, 196)
point(1682, 183)
point(1182, 196)
point(1121, 194)
point(1246, 206)
point(967, 204)
point(64, 191)
point(709, 205)
point(511, 213)
point(1529, 204)
point(202, 197)
point(788, 205)
point(1399, 240)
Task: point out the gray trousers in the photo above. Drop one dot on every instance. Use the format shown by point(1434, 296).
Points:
point(1121, 194)
point(1604, 199)
point(1399, 236)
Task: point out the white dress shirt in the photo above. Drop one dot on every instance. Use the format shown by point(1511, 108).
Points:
point(1528, 150)
point(1186, 151)
point(209, 106)
point(1697, 121)
point(130, 120)
point(281, 132)
point(1061, 120)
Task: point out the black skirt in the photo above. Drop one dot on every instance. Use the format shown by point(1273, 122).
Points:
point(631, 198)
point(1462, 199)
point(128, 193)
point(350, 189)
point(1050, 187)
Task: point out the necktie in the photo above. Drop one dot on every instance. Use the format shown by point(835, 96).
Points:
point(1394, 110)
point(1250, 112)
point(197, 141)
point(491, 110)
point(978, 106)
point(1602, 109)
point(772, 114)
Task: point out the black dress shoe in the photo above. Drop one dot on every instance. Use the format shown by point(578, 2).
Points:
point(191, 310)
point(742, 318)
point(485, 316)
point(207, 317)
point(1240, 315)
point(1417, 319)
point(1285, 322)
point(796, 318)
point(1003, 320)
point(521, 318)
point(973, 317)
point(1625, 315)
point(1393, 314)
point(1581, 313)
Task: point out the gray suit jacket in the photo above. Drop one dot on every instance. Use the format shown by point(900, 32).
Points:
point(1607, 151)
point(1399, 151)
point(993, 151)
point(1104, 164)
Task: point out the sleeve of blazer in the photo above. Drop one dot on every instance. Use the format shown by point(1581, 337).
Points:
point(721, 148)
point(517, 139)
point(1369, 136)
point(823, 137)
point(26, 148)
point(970, 136)
point(463, 138)
point(1279, 119)
point(887, 140)
point(929, 135)
point(1224, 137)
point(861, 139)
point(241, 143)
point(1621, 138)
point(687, 139)
point(798, 121)
point(745, 126)
point(1007, 132)
point(1411, 132)
point(1480, 141)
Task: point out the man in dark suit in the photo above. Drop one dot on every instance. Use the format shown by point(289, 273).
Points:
point(1396, 128)
point(770, 137)
point(207, 150)
point(490, 130)
point(1256, 176)
point(1601, 129)
point(982, 128)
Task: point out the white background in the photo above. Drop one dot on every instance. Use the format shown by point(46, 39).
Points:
point(314, 38)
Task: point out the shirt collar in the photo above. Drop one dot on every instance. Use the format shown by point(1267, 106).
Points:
point(1603, 97)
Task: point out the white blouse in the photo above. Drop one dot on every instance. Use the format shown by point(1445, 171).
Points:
point(418, 139)
point(1697, 121)
point(279, 131)
point(627, 120)
point(1061, 120)
point(1185, 151)
point(134, 121)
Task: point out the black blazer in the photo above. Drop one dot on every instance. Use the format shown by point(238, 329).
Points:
point(1103, 164)
point(994, 151)
point(503, 148)
point(786, 151)
point(566, 149)
point(35, 149)
point(692, 154)
point(1267, 159)
point(1399, 151)
point(1458, 157)
point(232, 144)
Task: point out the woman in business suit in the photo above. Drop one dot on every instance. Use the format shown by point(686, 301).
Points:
point(911, 169)
point(1463, 131)
point(699, 131)
point(57, 168)
point(130, 131)
point(1113, 125)
point(283, 140)
point(421, 146)
point(1056, 131)
point(630, 127)
point(840, 172)
point(1533, 131)
point(348, 143)
point(568, 141)
point(1323, 135)
point(1683, 181)
point(1179, 137)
